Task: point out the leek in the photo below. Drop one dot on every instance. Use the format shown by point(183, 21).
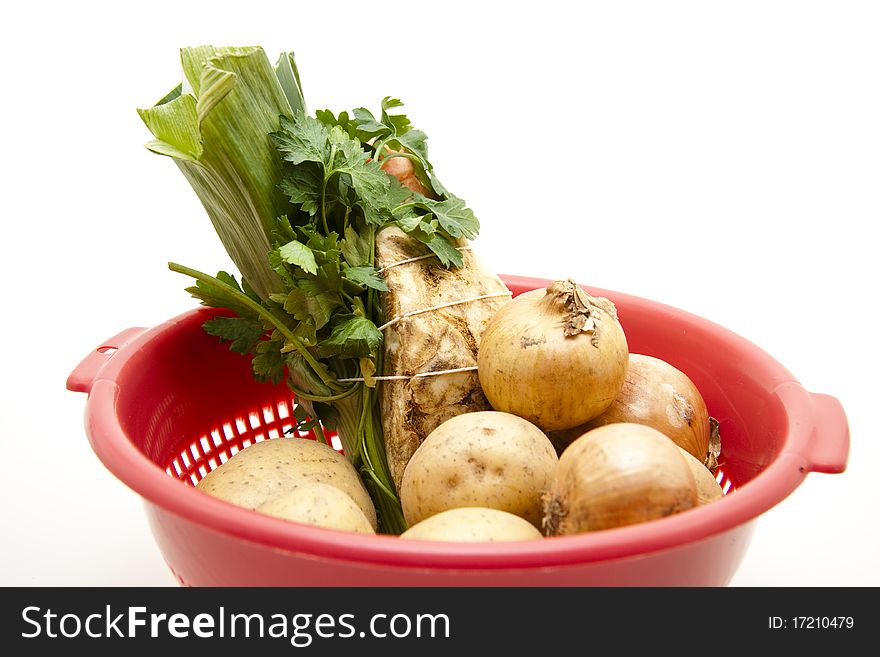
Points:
point(216, 128)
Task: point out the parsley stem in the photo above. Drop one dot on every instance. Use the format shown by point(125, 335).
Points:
point(324, 203)
point(377, 148)
point(405, 206)
point(327, 176)
point(253, 306)
point(319, 433)
point(371, 293)
point(325, 398)
point(409, 156)
point(361, 433)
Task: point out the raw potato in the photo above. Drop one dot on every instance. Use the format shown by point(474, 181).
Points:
point(319, 504)
point(482, 459)
point(471, 524)
point(657, 395)
point(616, 475)
point(438, 340)
point(708, 488)
point(271, 468)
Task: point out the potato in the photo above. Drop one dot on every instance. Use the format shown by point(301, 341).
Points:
point(271, 468)
point(319, 504)
point(472, 524)
point(483, 459)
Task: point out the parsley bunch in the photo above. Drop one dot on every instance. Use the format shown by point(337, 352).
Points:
point(315, 319)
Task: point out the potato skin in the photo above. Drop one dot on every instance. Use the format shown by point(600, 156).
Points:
point(472, 524)
point(271, 468)
point(319, 504)
point(481, 459)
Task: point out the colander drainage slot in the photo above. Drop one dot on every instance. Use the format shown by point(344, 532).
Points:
point(218, 444)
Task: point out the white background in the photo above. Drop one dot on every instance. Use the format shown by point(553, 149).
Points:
point(718, 157)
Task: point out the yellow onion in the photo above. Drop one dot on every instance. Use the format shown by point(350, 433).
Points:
point(658, 395)
point(708, 488)
point(556, 356)
point(616, 475)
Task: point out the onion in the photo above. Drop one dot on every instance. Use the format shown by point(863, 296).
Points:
point(708, 488)
point(617, 475)
point(556, 356)
point(658, 395)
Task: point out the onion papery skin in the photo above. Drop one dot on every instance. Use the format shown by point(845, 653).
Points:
point(658, 395)
point(617, 475)
point(556, 357)
point(708, 488)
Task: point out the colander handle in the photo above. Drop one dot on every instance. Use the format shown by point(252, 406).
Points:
point(80, 380)
point(829, 450)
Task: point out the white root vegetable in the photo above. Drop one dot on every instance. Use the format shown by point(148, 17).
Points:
point(481, 459)
point(272, 468)
point(617, 475)
point(321, 505)
point(658, 395)
point(556, 356)
point(436, 318)
point(471, 524)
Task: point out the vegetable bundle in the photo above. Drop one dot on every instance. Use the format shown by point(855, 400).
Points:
point(298, 202)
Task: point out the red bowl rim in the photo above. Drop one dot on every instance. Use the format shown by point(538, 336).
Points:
point(767, 489)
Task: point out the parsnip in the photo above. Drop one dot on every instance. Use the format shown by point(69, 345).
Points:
point(436, 340)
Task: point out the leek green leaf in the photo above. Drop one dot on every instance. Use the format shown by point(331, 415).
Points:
point(288, 77)
point(229, 162)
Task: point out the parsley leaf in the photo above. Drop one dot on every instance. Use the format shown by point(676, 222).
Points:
point(219, 293)
point(454, 217)
point(367, 276)
point(303, 186)
point(302, 140)
point(415, 141)
point(310, 301)
point(297, 253)
point(353, 337)
point(304, 421)
point(443, 249)
point(268, 361)
point(355, 247)
point(367, 126)
point(369, 182)
point(243, 333)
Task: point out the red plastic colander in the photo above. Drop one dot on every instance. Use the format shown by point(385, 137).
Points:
point(168, 404)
